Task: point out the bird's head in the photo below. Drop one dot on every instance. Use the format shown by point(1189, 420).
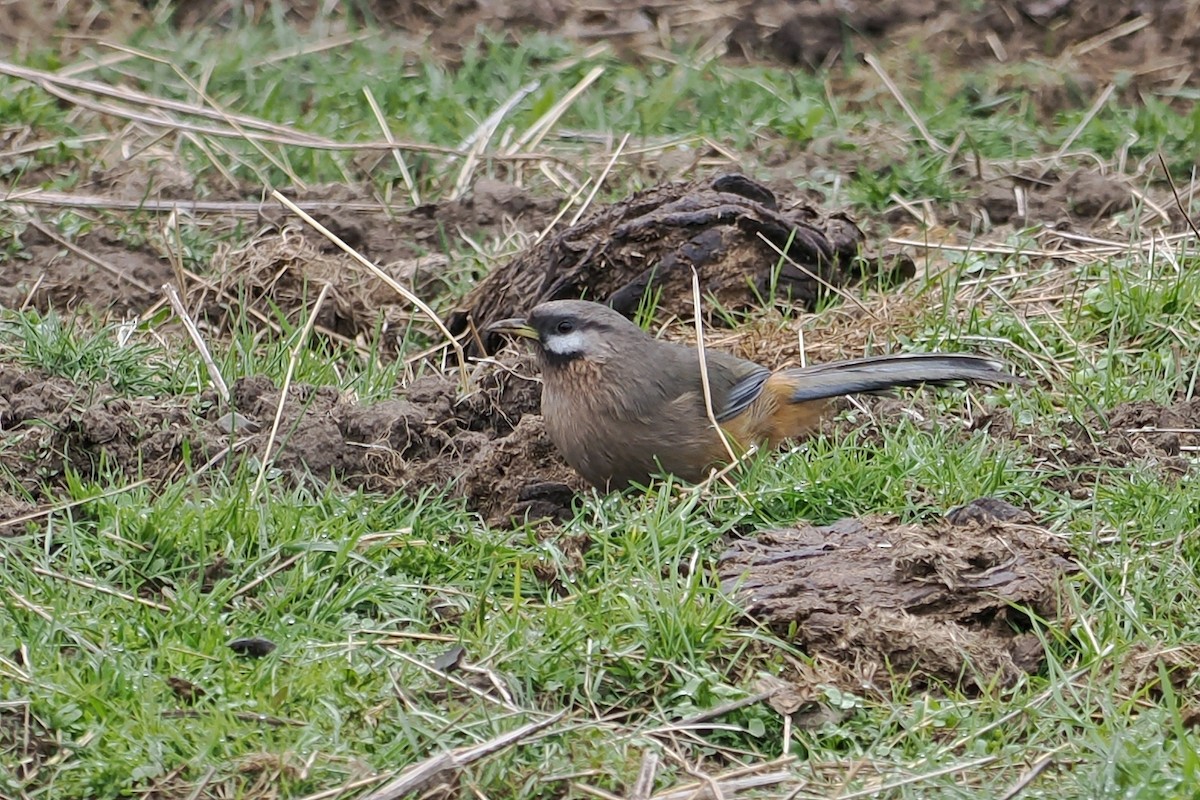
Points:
point(567, 330)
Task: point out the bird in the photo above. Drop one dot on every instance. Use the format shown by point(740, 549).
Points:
point(623, 407)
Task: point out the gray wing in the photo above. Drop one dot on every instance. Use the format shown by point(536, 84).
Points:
point(735, 383)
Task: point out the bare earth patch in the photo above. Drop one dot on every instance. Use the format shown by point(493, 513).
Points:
point(1151, 41)
point(939, 602)
point(486, 445)
point(1162, 439)
point(101, 272)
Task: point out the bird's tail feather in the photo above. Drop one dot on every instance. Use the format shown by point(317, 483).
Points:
point(880, 373)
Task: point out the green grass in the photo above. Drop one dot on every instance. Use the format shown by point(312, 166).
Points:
point(616, 616)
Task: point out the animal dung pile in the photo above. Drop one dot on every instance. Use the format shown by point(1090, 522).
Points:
point(748, 247)
point(941, 602)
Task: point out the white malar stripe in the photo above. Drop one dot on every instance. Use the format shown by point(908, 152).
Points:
point(565, 344)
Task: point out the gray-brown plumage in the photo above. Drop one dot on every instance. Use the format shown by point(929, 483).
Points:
point(622, 406)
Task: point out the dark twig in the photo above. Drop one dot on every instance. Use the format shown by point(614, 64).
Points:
point(1178, 201)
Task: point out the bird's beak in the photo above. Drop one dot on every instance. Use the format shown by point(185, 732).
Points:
point(513, 327)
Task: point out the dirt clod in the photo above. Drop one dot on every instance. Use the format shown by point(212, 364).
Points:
point(525, 468)
point(1080, 198)
point(486, 446)
point(938, 601)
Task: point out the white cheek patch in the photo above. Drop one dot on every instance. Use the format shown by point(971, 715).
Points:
point(564, 344)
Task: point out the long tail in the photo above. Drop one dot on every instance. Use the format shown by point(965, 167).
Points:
point(880, 373)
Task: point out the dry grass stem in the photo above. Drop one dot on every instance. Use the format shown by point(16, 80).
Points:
point(562, 212)
point(1175, 193)
point(280, 567)
point(345, 789)
point(644, 785)
point(884, 789)
point(1031, 774)
point(248, 128)
point(698, 309)
point(917, 122)
point(836, 290)
point(420, 776)
point(397, 153)
point(37, 197)
point(308, 49)
point(463, 685)
point(189, 325)
point(45, 512)
point(478, 140)
point(392, 283)
point(1096, 106)
point(600, 180)
point(293, 359)
point(117, 273)
point(715, 788)
point(543, 125)
point(95, 587)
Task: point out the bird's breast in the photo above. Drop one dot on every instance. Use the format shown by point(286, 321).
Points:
point(614, 432)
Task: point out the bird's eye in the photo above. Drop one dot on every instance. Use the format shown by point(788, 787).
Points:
point(565, 326)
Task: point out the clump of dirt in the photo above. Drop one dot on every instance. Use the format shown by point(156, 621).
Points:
point(100, 271)
point(525, 468)
point(1080, 198)
point(939, 602)
point(1141, 433)
point(1149, 429)
point(1143, 666)
point(730, 229)
point(487, 446)
point(49, 424)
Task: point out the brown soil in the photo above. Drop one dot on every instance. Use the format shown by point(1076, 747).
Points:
point(1081, 199)
point(26, 742)
point(484, 446)
point(1159, 40)
point(101, 272)
point(386, 237)
point(1077, 456)
point(940, 601)
point(284, 267)
point(1141, 44)
point(729, 229)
